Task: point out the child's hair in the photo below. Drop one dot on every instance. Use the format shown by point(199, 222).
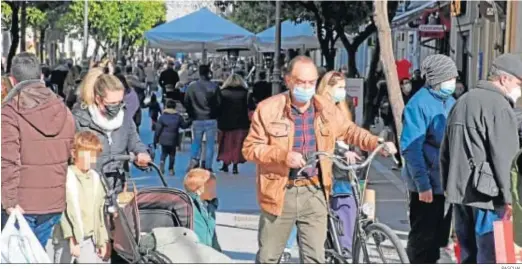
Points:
point(196, 178)
point(171, 104)
point(88, 141)
point(153, 98)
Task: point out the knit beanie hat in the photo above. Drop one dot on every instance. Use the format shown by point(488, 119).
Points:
point(438, 68)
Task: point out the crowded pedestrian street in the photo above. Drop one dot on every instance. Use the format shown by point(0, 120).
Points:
point(238, 216)
point(261, 132)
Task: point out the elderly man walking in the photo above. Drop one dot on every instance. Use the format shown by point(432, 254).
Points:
point(424, 122)
point(284, 129)
point(479, 145)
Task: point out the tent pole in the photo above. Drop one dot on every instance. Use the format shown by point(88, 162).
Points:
point(276, 82)
point(204, 53)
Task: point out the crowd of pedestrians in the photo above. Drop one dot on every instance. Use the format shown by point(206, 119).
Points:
point(457, 153)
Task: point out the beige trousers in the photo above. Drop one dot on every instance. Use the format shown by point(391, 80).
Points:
point(305, 207)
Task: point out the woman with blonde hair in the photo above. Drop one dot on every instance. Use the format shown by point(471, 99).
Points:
point(233, 121)
point(101, 110)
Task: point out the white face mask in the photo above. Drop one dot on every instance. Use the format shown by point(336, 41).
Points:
point(339, 94)
point(515, 94)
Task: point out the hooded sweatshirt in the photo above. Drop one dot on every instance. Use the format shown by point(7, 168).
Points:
point(37, 135)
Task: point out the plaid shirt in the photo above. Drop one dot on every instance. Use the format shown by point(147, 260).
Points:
point(304, 138)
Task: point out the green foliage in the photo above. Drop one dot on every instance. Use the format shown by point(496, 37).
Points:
point(6, 15)
point(106, 17)
point(254, 16)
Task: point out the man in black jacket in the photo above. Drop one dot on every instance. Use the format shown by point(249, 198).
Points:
point(262, 89)
point(201, 103)
point(476, 154)
point(169, 77)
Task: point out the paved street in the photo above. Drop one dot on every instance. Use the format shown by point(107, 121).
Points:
point(238, 214)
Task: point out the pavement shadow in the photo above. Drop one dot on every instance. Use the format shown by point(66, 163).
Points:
point(241, 256)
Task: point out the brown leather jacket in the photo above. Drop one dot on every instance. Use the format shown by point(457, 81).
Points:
point(271, 137)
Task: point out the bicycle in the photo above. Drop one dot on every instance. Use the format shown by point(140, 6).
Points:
point(365, 228)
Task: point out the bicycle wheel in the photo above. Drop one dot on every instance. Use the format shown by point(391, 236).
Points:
point(332, 257)
point(382, 244)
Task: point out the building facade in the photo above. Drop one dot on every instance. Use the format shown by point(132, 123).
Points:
point(177, 9)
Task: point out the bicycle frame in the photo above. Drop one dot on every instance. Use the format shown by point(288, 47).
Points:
point(362, 220)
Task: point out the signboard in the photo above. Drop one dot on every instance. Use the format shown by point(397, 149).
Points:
point(355, 89)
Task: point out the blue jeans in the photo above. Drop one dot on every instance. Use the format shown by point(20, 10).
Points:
point(200, 127)
point(475, 247)
point(42, 225)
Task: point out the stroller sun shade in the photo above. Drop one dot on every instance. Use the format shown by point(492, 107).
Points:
point(151, 208)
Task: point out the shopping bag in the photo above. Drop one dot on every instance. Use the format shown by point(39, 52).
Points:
point(20, 245)
point(504, 243)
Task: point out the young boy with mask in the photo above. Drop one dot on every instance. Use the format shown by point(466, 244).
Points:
point(81, 235)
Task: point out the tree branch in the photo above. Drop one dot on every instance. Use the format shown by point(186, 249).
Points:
point(368, 30)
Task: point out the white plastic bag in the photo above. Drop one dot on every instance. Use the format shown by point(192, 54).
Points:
point(21, 245)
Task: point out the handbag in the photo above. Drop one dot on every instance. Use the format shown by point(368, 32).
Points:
point(126, 196)
point(20, 245)
point(483, 180)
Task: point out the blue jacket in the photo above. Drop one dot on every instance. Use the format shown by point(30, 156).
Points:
point(167, 128)
point(424, 121)
point(205, 221)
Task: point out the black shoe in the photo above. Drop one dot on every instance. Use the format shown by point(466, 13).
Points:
point(224, 168)
point(235, 170)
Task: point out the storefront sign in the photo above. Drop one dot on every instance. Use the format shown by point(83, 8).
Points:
point(355, 89)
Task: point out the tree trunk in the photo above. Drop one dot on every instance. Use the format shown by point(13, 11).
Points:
point(42, 45)
point(96, 50)
point(23, 25)
point(330, 59)
point(371, 88)
point(14, 34)
point(388, 62)
point(352, 62)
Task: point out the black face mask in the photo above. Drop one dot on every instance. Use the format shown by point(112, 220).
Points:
point(111, 111)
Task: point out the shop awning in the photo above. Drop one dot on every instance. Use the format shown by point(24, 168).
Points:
point(414, 11)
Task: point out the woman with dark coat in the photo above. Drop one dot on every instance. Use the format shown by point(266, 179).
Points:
point(233, 121)
point(167, 133)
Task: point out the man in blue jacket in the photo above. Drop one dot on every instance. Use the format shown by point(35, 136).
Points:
point(424, 122)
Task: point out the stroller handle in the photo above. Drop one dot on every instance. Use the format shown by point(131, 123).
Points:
point(131, 158)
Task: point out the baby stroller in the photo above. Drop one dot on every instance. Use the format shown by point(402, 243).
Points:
point(156, 226)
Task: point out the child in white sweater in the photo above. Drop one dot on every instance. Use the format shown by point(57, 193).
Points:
point(81, 235)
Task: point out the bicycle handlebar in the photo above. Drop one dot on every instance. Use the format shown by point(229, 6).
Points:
point(339, 161)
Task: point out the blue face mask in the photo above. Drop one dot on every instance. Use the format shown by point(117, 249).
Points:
point(339, 94)
point(303, 95)
point(447, 88)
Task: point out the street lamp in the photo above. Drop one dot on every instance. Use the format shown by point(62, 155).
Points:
point(276, 81)
point(85, 29)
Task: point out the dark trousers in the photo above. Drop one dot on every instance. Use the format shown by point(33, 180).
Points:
point(168, 151)
point(429, 229)
point(474, 248)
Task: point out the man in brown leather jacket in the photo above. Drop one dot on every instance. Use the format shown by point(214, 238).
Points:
point(284, 129)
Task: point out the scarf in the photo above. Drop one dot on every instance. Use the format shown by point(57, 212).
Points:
point(103, 122)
